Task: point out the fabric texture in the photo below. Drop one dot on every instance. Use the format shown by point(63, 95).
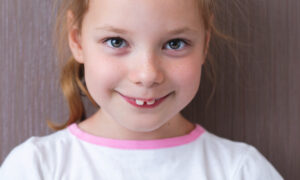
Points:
point(76, 155)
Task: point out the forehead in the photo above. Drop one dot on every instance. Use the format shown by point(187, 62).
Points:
point(144, 14)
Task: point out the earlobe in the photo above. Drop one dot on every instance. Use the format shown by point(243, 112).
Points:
point(74, 38)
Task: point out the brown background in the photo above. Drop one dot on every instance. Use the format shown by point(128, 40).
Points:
point(257, 102)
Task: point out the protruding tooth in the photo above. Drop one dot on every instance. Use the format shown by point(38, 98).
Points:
point(139, 102)
point(150, 102)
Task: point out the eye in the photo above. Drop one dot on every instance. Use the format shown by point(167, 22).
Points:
point(118, 42)
point(177, 44)
point(115, 42)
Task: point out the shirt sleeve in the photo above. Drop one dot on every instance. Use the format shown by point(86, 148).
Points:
point(254, 166)
point(23, 162)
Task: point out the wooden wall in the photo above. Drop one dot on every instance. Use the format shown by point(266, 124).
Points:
point(257, 101)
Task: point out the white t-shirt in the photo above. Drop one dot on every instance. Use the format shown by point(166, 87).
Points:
point(72, 154)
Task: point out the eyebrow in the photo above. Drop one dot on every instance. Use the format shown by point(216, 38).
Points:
point(122, 31)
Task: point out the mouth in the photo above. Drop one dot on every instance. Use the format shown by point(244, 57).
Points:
point(145, 103)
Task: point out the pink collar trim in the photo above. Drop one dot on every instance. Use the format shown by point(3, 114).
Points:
point(136, 144)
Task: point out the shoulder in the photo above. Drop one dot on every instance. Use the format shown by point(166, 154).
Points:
point(226, 148)
point(238, 159)
point(45, 145)
point(253, 165)
point(28, 160)
point(53, 141)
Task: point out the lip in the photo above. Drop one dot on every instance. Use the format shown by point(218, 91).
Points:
point(158, 101)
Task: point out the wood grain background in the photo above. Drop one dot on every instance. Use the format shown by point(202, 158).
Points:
point(257, 101)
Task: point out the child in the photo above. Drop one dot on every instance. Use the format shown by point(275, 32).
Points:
point(141, 63)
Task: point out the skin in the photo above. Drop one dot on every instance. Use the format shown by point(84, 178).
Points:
point(142, 64)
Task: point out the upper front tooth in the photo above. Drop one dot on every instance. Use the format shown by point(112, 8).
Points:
point(151, 102)
point(139, 102)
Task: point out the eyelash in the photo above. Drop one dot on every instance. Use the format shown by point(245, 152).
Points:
point(122, 40)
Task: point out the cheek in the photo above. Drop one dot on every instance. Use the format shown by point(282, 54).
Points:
point(191, 81)
point(187, 80)
point(100, 69)
point(102, 75)
point(188, 74)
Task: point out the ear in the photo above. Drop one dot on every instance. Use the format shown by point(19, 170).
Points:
point(208, 36)
point(74, 38)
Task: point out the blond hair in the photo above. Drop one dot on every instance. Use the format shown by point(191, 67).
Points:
point(72, 73)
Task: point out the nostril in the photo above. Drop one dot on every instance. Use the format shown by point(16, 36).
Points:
point(148, 74)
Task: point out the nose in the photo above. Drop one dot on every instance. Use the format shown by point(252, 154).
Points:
point(146, 71)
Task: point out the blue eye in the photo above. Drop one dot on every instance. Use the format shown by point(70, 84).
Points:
point(177, 44)
point(115, 42)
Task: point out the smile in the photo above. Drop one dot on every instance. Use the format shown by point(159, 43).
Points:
point(144, 103)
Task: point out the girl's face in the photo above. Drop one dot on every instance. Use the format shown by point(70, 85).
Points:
point(145, 50)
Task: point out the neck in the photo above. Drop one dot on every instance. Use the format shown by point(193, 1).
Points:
point(100, 124)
